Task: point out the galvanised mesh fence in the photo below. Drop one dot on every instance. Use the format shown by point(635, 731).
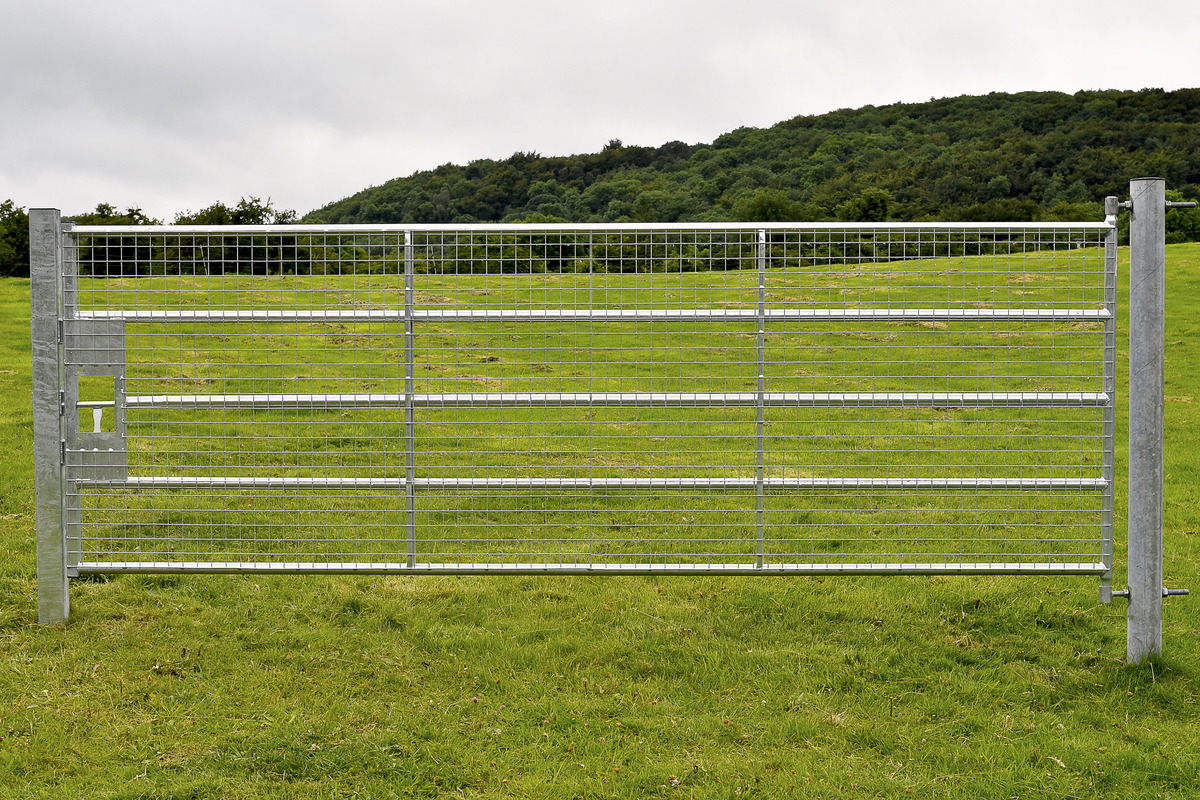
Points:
point(631, 398)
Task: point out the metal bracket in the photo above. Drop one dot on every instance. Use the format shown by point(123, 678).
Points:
point(1165, 592)
point(95, 348)
point(1128, 204)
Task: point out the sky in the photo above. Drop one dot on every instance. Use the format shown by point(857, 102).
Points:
point(170, 106)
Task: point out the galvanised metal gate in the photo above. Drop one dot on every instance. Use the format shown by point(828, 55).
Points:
point(755, 399)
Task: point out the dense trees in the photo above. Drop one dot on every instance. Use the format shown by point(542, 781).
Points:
point(248, 211)
point(870, 205)
point(211, 253)
point(1029, 156)
point(14, 231)
point(14, 239)
point(108, 215)
point(115, 253)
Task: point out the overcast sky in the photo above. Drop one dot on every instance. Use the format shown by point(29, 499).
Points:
point(172, 106)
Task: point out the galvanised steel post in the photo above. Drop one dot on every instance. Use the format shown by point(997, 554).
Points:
point(1147, 293)
point(45, 260)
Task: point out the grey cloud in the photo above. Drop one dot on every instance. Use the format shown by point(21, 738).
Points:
point(173, 106)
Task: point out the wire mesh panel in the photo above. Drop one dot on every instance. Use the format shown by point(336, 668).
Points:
point(631, 398)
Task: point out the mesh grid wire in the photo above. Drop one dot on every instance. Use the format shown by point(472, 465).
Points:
point(812, 398)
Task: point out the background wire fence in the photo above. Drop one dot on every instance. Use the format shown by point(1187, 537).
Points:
point(638, 398)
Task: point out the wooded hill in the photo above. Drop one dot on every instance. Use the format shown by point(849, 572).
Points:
point(1027, 156)
point(999, 157)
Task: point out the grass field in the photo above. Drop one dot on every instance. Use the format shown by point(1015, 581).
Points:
point(317, 686)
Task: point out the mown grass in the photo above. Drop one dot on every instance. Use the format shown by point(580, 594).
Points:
point(319, 686)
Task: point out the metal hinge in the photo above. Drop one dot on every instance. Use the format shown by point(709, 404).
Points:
point(62, 452)
point(60, 331)
point(62, 403)
point(1165, 593)
point(1128, 204)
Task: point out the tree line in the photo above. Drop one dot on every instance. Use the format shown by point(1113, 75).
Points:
point(14, 224)
point(1032, 156)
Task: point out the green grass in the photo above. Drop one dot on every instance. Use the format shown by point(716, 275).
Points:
point(321, 686)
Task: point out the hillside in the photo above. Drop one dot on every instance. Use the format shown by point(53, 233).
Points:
point(1033, 155)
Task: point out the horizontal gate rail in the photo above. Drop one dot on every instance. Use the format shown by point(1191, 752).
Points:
point(681, 484)
point(565, 568)
point(611, 315)
point(624, 400)
point(1000, 229)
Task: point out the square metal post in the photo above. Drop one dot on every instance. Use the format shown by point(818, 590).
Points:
point(1147, 293)
point(45, 272)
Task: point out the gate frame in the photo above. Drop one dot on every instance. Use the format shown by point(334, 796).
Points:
point(1147, 291)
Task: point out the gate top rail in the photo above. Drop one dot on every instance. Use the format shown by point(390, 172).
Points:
point(655, 227)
